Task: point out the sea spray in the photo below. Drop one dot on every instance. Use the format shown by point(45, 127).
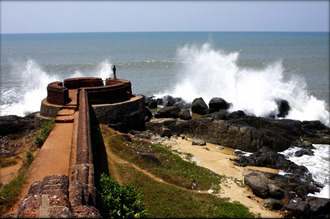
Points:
point(33, 86)
point(208, 73)
point(104, 69)
point(317, 164)
point(27, 97)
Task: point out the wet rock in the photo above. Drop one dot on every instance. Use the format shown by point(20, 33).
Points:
point(182, 104)
point(148, 115)
point(160, 101)
point(302, 152)
point(220, 115)
point(275, 191)
point(151, 102)
point(319, 206)
point(246, 133)
point(217, 103)
point(168, 100)
point(273, 204)
point(199, 106)
point(236, 114)
point(185, 114)
point(258, 183)
point(166, 132)
point(283, 107)
point(168, 112)
point(198, 142)
point(297, 207)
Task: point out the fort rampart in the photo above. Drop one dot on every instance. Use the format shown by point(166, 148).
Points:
point(93, 102)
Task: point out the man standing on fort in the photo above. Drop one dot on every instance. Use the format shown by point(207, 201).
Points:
point(114, 72)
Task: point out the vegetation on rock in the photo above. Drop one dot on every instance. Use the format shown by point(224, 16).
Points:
point(45, 129)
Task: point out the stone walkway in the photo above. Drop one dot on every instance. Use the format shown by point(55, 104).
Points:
point(52, 159)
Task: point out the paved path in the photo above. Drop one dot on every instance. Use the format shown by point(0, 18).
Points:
point(52, 159)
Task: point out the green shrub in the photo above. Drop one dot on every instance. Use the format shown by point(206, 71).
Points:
point(28, 157)
point(120, 201)
point(46, 127)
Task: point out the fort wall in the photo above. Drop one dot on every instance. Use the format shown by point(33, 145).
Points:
point(75, 83)
point(57, 93)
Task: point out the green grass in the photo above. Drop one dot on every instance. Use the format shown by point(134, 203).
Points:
point(163, 200)
point(172, 168)
point(43, 132)
point(169, 200)
point(9, 192)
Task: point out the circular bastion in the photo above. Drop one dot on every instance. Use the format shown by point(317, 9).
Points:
point(108, 97)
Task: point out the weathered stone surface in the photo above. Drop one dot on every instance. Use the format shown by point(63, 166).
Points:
point(258, 183)
point(319, 206)
point(117, 111)
point(304, 151)
point(155, 125)
point(217, 103)
point(148, 115)
point(85, 211)
point(236, 114)
point(275, 191)
point(47, 198)
point(151, 102)
point(297, 207)
point(199, 106)
point(248, 133)
point(8, 147)
point(185, 114)
point(283, 107)
point(220, 115)
point(198, 142)
point(15, 124)
point(311, 207)
point(168, 112)
point(168, 100)
point(165, 132)
point(273, 204)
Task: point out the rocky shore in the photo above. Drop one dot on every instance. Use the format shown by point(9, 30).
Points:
point(215, 123)
point(263, 137)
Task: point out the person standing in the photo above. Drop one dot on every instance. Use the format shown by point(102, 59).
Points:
point(114, 72)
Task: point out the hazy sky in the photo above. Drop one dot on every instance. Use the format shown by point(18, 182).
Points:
point(88, 16)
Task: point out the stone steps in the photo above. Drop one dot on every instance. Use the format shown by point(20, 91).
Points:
point(64, 119)
point(65, 112)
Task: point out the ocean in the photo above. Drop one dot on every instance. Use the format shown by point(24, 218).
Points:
point(250, 70)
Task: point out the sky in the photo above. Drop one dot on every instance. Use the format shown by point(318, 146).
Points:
point(114, 16)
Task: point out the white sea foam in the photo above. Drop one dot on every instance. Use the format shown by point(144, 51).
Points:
point(318, 165)
point(34, 81)
point(209, 73)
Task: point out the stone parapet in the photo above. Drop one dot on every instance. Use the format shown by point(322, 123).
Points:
point(82, 189)
point(80, 82)
point(57, 94)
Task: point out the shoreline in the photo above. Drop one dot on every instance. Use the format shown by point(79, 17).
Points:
point(219, 161)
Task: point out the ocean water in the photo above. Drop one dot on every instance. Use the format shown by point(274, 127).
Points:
point(250, 70)
point(318, 165)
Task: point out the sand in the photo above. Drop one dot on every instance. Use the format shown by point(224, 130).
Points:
point(218, 159)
